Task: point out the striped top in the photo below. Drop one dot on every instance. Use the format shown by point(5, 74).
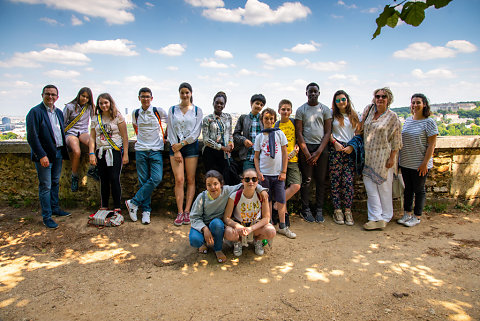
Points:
point(415, 135)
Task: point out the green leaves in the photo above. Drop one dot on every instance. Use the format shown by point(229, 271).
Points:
point(413, 13)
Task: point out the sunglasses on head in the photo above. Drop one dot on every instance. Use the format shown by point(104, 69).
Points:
point(381, 96)
point(341, 99)
point(247, 179)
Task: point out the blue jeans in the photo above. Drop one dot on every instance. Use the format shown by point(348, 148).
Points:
point(48, 185)
point(150, 174)
point(217, 228)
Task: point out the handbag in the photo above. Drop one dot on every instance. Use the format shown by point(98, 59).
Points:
point(230, 172)
point(359, 130)
point(104, 218)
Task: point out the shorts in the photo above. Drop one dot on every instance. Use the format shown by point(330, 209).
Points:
point(293, 175)
point(189, 150)
point(276, 188)
point(73, 133)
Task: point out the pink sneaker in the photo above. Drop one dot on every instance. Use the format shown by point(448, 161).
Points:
point(186, 218)
point(179, 220)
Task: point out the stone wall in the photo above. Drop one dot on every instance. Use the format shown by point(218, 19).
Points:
point(455, 175)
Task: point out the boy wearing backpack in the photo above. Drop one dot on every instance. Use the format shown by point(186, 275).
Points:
point(149, 124)
point(294, 178)
point(271, 165)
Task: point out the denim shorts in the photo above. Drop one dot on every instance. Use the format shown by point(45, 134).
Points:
point(276, 188)
point(189, 150)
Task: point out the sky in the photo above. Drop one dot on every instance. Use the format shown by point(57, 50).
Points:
point(241, 47)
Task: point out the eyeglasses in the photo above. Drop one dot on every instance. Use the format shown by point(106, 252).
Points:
point(247, 179)
point(145, 97)
point(339, 100)
point(381, 96)
point(49, 94)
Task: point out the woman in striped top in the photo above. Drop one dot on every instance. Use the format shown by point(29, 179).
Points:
point(419, 135)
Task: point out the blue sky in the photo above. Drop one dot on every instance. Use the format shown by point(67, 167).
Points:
point(240, 47)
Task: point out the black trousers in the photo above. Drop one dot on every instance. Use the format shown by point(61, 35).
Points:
point(213, 159)
point(414, 186)
point(317, 172)
point(110, 179)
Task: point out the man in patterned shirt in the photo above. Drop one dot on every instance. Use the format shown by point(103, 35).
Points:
point(247, 128)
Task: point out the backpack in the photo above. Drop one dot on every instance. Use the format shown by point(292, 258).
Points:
point(277, 123)
point(157, 114)
point(103, 218)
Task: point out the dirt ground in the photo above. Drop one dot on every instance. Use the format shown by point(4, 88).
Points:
point(330, 272)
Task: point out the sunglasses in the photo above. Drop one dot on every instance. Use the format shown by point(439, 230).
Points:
point(247, 179)
point(381, 96)
point(339, 100)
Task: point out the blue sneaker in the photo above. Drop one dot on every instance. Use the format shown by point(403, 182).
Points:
point(74, 183)
point(61, 213)
point(307, 215)
point(319, 217)
point(49, 223)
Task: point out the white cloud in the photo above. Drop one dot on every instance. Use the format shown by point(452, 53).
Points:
point(111, 82)
point(76, 21)
point(326, 66)
point(117, 47)
point(21, 83)
point(64, 74)
point(173, 49)
point(87, 19)
point(370, 10)
point(462, 46)
point(206, 3)
point(32, 59)
point(51, 21)
point(341, 3)
point(210, 63)
point(149, 4)
point(223, 54)
point(351, 78)
point(7, 75)
point(246, 72)
point(304, 47)
point(138, 79)
point(172, 68)
point(334, 16)
point(279, 62)
point(434, 74)
point(256, 13)
point(425, 51)
point(113, 11)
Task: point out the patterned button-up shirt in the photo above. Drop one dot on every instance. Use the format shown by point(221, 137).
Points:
point(217, 130)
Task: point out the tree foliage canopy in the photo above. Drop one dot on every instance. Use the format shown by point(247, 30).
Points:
point(413, 13)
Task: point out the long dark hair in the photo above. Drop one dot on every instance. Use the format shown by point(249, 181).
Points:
point(352, 114)
point(90, 99)
point(113, 107)
point(426, 105)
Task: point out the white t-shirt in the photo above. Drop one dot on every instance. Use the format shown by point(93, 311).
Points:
point(268, 165)
point(343, 133)
point(248, 210)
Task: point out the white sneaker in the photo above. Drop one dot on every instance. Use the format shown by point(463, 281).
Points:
point(412, 221)
point(286, 231)
point(237, 248)
point(146, 218)
point(404, 218)
point(132, 210)
point(259, 248)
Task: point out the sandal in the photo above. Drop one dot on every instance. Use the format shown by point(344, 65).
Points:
point(203, 249)
point(221, 258)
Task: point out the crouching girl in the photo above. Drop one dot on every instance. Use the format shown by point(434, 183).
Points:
point(207, 227)
point(251, 216)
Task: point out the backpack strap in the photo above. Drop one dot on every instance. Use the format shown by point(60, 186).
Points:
point(277, 123)
point(157, 114)
point(238, 194)
point(135, 126)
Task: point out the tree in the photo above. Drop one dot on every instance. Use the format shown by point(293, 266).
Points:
point(413, 13)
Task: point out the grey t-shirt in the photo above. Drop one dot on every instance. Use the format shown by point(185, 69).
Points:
point(313, 119)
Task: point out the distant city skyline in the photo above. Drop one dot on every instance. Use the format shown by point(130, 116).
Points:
point(241, 47)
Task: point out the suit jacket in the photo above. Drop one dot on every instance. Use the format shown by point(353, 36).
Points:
point(40, 135)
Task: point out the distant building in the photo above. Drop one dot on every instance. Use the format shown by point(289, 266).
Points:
point(452, 107)
point(6, 125)
point(6, 120)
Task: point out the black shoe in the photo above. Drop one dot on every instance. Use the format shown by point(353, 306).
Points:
point(307, 215)
point(93, 173)
point(319, 217)
point(74, 183)
point(61, 213)
point(48, 222)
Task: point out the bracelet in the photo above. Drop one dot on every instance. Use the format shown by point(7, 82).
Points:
point(334, 141)
point(283, 172)
point(91, 153)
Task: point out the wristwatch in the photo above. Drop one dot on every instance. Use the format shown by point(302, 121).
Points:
point(182, 143)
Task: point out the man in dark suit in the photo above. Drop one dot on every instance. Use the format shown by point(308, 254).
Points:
point(45, 135)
